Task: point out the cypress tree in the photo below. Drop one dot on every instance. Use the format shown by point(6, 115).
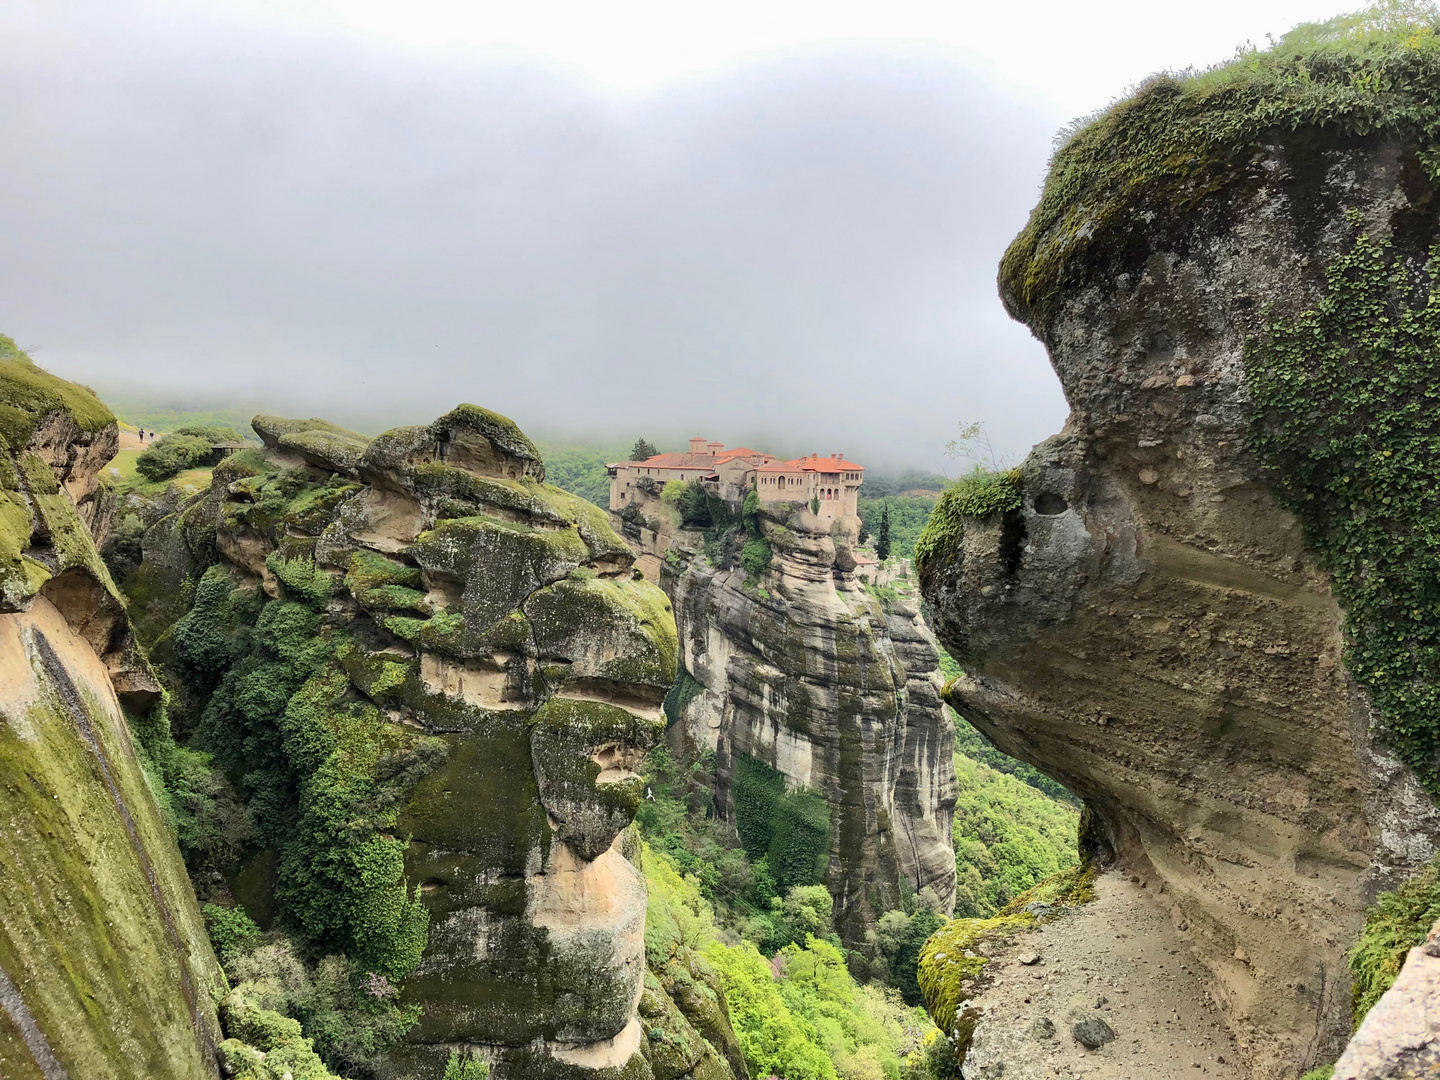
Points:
point(882, 541)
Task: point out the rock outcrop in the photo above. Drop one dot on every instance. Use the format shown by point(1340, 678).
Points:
point(1147, 623)
point(105, 967)
point(1399, 1039)
point(802, 670)
point(487, 629)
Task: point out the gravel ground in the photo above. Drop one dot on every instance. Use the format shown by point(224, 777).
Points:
point(1119, 961)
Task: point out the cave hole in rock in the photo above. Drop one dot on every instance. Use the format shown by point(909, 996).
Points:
point(1048, 504)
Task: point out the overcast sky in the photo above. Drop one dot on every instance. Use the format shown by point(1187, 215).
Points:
point(753, 220)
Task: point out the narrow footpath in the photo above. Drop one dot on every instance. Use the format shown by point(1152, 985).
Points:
point(1116, 970)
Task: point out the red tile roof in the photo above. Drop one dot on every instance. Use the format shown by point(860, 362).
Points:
point(813, 463)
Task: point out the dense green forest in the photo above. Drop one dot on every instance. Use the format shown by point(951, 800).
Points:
point(1008, 836)
point(795, 1002)
point(908, 514)
point(579, 468)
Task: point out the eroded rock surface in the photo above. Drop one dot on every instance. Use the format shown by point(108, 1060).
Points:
point(491, 629)
point(105, 967)
point(1150, 628)
point(805, 672)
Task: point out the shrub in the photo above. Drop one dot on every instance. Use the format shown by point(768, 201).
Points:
point(230, 929)
point(185, 448)
point(755, 556)
point(1395, 924)
point(467, 1068)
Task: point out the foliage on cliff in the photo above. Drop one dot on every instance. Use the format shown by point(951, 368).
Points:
point(979, 493)
point(323, 776)
point(789, 829)
point(1008, 837)
point(1179, 143)
point(799, 1015)
point(1397, 922)
point(325, 1013)
point(186, 448)
point(1347, 421)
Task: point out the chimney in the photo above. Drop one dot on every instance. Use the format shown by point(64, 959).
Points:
point(697, 444)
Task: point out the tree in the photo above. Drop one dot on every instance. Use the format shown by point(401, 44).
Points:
point(642, 450)
point(882, 542)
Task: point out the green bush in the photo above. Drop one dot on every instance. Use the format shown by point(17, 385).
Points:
point(323, 775)
point(755, 556)
point(303, 579)
point(467, 1068)
point(187, 448)
point(1395, 924)
point(230, 929)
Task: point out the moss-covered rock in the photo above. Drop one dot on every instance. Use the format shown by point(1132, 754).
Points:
point(99, 929)
point(583, 753)
point(496, 564)
point(470, 438)
point(622, 630)
point(406, 610)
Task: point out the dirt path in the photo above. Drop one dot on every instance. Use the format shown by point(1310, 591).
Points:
point(1120, 959)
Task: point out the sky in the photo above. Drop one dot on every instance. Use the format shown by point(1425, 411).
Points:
point(773, 223)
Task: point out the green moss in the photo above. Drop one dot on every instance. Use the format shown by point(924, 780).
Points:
point(1395, 924)
point(685, 689)
point(499, 430)
point(950, 964)
point(272, 428)
point(302, 578)
point(1175, 149)
point(1065, 888)
point(499, 563)
point(1346, 420)
point(28, 394)
point(610, 628)
point(97, 911)
point(565, 734)
point(978, 494)
point(371, 570)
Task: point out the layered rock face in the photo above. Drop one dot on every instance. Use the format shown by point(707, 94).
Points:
point(105, 967)
point(805, 672)
point(488, 630)
point(1149, 626)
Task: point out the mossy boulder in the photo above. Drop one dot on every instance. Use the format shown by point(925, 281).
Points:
point(583, 754)
point(670, 1044)
point(621, 630)
point(99, 929)
point(468, 437)
point(496, 564)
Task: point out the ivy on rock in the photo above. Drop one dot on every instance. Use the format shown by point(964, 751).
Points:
point(1346, 400)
